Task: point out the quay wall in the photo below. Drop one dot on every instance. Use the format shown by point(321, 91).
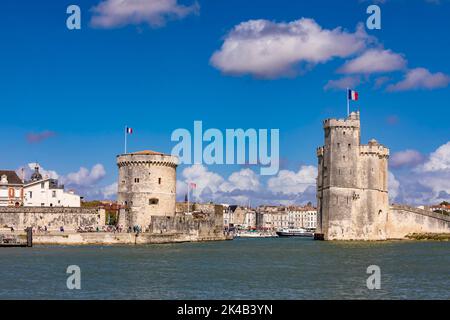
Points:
point(51, 217)
point(109, 238)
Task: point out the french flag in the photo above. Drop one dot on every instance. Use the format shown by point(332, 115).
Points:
point(129, 130)
point(352, 95)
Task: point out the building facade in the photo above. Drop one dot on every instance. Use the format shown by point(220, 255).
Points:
point(47, 192)
point(11, 189)
point(352, 187)
point(293, 217)
point(146, 186)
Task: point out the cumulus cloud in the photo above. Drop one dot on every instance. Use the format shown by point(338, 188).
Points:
point(109, 191)
point(439, 160)
point(343, 83)
point(242, 186)
point(406, 158)
point(85, 177)
point(268, 49)
point(245, 179)
point(28, 169)
point(290, 182)
point(420, 78)
point(85, 182)
point(393, 187)
point(428, 182)
point(117, 13)
point(39, 136)
point(374, 61)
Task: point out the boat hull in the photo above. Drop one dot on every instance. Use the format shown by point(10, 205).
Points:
point(295, 234)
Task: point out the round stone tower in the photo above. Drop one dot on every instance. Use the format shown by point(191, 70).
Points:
point(146, 186)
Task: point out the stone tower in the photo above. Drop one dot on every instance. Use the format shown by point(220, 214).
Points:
point(352, 191)
point(146, 186)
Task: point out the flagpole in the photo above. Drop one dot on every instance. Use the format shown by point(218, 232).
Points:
point(125, 139)
point(188, 197)
point(348, 104)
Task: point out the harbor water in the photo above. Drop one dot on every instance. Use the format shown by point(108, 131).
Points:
point(270, 268)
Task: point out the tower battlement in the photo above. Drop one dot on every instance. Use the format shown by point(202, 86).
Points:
point(351, 122)
point(370, 150)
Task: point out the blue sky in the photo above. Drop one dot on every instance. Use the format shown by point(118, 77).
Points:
point(66, 95)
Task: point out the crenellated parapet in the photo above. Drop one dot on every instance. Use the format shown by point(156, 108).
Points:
point(351, 122)
point(374, 150)
point(141, 159)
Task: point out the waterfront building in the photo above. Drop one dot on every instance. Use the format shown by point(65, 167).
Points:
point(280, 217)
point(47, 192)
point(11, 189)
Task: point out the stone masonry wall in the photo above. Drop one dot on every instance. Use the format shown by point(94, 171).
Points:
point(53, 218)
point(403, 220)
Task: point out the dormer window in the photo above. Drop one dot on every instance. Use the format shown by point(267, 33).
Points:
point(4, 178)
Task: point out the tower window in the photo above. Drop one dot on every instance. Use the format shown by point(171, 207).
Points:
point(159, 180)
point(153, 201)
point(344, 133)
point(338, 145)
point(136, 180)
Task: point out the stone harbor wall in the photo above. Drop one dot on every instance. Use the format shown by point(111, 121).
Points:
point(51, 217)
point(196, 224)
point(199, 207)
point(404, 220)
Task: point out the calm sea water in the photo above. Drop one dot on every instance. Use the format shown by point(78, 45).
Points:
point(290, 268)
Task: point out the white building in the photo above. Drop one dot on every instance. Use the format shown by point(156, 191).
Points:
point(11, 192)
point(288, 217)
point(47, 192)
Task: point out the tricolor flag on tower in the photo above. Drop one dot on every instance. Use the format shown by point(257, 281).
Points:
point(352, 95)
point(128, 131)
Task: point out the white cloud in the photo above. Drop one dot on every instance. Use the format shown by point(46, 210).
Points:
point(242, 186)
point(204, 179)
point(429, 182)
point(245, 179)
point(439, 160)
point(109, 191)
point(29, 169)
point(405, 158)
point(85, 182)
point(290, 182)
point(84, 177)
point(393, 187)
point(343, 83)
point(420, 78)
point(267, 49)
point(117, 13)
point(374, 61)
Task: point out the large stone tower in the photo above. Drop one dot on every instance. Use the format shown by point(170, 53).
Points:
point(352, 191)
point(146, 187)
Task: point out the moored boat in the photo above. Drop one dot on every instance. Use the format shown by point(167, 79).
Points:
point(294, 233)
